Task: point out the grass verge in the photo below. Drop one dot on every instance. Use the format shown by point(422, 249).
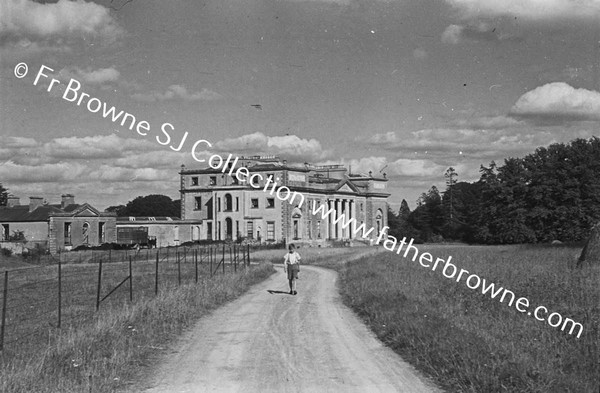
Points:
point(105, 354)
point(468, 342)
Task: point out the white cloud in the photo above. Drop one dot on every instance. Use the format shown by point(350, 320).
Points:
point(18, 142)
point(92, 147)
point(62, 171)
point(528, 9)
point(416, 167)
point(63, 19)
point(90, 76)
point(452, 34)
point(178, 92)
point(420, 54)
point(290, 147)
point(558, 100)
point(451, 144)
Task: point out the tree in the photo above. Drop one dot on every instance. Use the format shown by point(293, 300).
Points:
point(450, 176)
point(119, 209)
point(149, 206)
point(428, 217)
point(3, 195)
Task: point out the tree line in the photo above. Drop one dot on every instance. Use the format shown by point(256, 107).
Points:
point(551, 194)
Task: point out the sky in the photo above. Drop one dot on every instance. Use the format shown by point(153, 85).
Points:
point(402, 87)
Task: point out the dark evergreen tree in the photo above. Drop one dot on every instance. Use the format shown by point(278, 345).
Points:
point(3, 195)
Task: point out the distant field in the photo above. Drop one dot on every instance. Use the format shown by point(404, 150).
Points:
point(469, 342)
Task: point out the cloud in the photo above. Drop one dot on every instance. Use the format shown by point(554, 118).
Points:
point(455, 34)
point(487, 122)
point(18, 142)
point(95, 147)
point(528, 9)
point(290, 147)
point(178, 92)
point(62, 171)
point(556, 102)
point(452, 34)
point(420, 54)
point(90, 76)
point(461, 144)
point(60, 20)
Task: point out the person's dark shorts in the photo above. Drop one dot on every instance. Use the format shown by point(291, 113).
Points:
point(292, 271)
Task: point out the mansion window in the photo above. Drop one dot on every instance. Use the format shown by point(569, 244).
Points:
point(195, 181)
point(270, 230)
point(198, 203)
point(213, 181)
point(228, 203)
point(254, 203)
point(270, 203)
point(250, 229)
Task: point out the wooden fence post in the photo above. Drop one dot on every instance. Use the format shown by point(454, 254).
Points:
point(130, 281)
point(4, 299)
point(156, 276)
point(59, 293)
point(99, 284)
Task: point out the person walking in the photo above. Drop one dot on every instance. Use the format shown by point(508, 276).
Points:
point(291, 266)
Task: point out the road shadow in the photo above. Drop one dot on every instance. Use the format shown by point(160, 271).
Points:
point(279, 292)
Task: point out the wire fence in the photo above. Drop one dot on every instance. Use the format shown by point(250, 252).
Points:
point(36, 303)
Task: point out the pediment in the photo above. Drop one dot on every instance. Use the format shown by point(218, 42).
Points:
point(346, 186)
point(86, 213)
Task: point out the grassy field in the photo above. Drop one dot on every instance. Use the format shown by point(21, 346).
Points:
point(101, 352)
point(468, 342)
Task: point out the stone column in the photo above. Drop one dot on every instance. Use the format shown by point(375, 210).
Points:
point(346, 217)
point(336, 205)
point(330, 232)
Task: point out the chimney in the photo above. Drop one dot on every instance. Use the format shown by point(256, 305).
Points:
point(67, 199)
point(35, 202)
point(12, 201)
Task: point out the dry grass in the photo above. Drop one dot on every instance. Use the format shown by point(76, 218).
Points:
point(470, 343)
point(104, 353)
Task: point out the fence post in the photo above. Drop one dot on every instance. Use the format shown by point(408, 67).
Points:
point(59, 293)
point(4, 298)
point(196, 263)
point(223, 258)
point(156, 277)
point(248, 260)
point(178, 268)
point(130, 281)
point(99, 284)
point(210, 259)
point(233, 257)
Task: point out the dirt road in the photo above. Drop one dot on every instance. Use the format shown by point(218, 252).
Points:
point(276, 342)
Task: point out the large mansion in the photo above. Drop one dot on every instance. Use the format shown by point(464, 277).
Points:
point(230, 209)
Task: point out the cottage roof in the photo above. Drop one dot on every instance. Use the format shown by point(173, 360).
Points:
point(21, 213)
